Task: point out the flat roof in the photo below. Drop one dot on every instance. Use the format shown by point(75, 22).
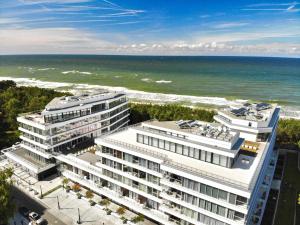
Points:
point(72, 101)
point(204, 129)
point(251, 111)
point(242, 172)
point(89, 157)
point(34, 117)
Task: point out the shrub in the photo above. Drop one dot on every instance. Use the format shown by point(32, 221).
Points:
point(89, 194)
point(121, 210)
point(79, 195)
point(92, 203)
point(137, 219)
point(105, 202)
point(108, 212)
point(68, 188)
point(76, 187)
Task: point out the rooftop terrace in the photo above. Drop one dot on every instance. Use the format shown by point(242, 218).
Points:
point(208, 130)
point(72, 101)
point(251, 112)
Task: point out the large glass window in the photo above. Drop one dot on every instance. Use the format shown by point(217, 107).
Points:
point(173, 147)
point(232, 198)
point(161, 144)
point(155, 142)
point(179, 149)
point(186, 150)
point(216, 159)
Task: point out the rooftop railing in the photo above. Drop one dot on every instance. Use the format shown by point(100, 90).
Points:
point(137, 148)
point(211, 176)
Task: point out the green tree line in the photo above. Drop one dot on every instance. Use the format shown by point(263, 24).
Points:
point(142, 112)
point(288, 131)
point(15, 100)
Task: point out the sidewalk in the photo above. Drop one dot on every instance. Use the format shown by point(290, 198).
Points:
point(68, 212)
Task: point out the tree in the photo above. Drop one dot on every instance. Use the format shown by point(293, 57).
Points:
point(7, 206)
point(65, 182)
point(5, 84)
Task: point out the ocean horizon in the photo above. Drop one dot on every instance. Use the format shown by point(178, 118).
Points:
point(216, 80)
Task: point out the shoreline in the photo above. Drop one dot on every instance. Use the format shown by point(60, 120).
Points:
point(149, 97)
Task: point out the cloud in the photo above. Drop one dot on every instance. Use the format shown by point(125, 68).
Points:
point(75, 41)
point(230, 25)
point(283, 7)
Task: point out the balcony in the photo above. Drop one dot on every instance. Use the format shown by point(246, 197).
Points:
point(35, 149)
point(18, 155)
point(169, 182)
point(118, 198)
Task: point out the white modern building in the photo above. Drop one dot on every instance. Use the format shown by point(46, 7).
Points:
point(186, 172)
point(66, 124)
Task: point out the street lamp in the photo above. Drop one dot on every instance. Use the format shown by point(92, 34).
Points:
point(78, 221)
point(41, 191)
point(58, 206)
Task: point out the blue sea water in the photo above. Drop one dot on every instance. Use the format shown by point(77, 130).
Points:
point(255, 78)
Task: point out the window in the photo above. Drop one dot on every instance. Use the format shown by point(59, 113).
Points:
point(209, 190)
point(202, 188)
point(203, 155)
point(146, 140)
point(222, 195)
point(214, 208)
point(173, 146)
point(232, 198)
point(208, 157)
point(179, 149)
point(192, 152)
point(186, 150)
point(161, 144)
point(167, 145)
point(155, 142)
point(140, 138)
point(208, 206)
point(223, 160)
point(216, 159)
point(196, 153)
point(221, 211)
point(230, 214)
point(202, 203)
point(215, 192)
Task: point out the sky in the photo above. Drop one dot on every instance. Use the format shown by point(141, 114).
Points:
point(150, 27)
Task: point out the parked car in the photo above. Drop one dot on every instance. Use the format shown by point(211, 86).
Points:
point(40, 221)
point(24, 211)
point(36, 219)
point(33, 216)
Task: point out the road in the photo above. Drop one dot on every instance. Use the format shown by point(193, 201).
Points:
point(22, 199)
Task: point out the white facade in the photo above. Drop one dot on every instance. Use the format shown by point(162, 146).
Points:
point(67, 123)
point(185, 172)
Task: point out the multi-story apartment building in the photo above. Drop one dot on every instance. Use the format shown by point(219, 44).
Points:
point(65, 124)
point(186, 172)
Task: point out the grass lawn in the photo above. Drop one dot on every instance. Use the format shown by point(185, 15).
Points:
point(289, 188)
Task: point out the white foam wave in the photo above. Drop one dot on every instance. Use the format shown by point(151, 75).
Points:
point(163, 81)
point(146, 80)
point(142, 96)
point(45, 69)
point(76, 71)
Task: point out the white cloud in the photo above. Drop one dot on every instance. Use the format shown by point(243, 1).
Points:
point(229, 25)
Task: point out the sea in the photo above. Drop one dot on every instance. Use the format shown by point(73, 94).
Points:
point(191, 80)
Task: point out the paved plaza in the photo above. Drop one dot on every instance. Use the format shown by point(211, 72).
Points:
point(60, 207)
